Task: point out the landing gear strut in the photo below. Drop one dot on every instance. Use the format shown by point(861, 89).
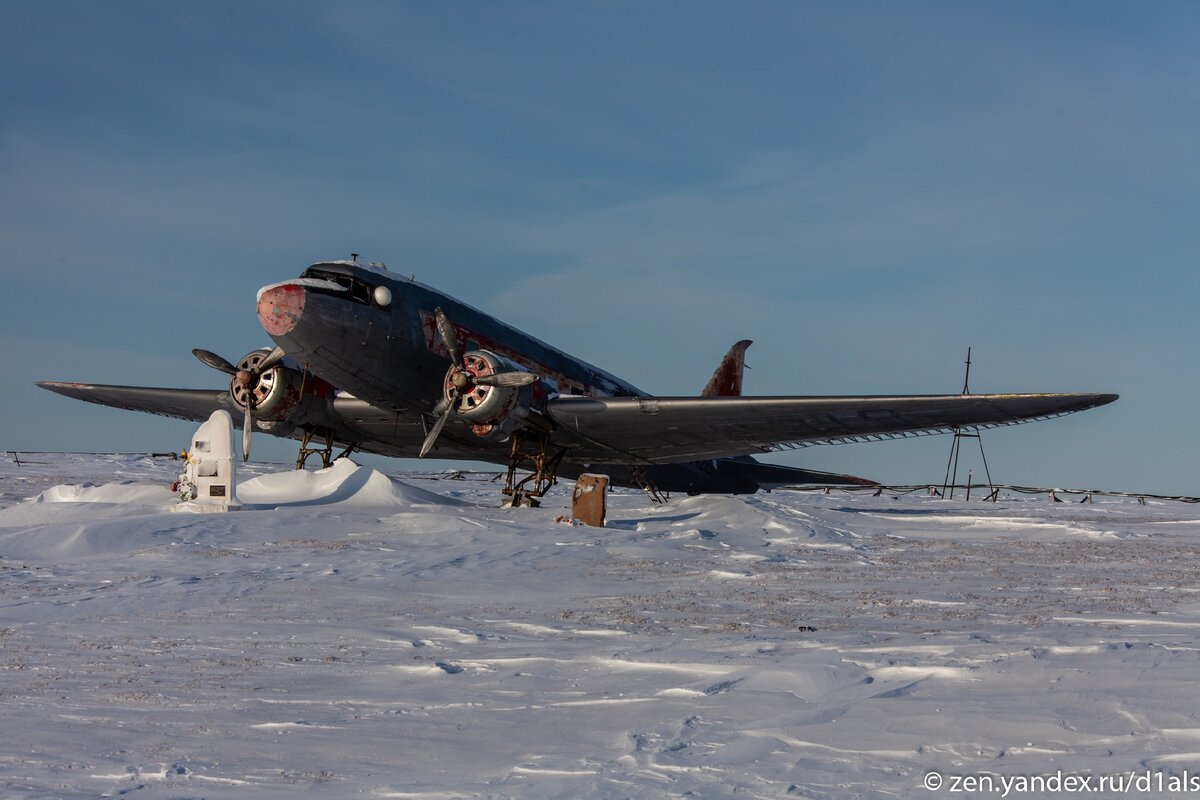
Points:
point(544, 466)
point(641, 479)
point(325, 451)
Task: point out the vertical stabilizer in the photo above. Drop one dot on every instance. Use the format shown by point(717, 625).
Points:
point(727, 380)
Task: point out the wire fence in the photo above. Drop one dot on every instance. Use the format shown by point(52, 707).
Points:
point(988, 492)
point(15, 455)
point(983, 491)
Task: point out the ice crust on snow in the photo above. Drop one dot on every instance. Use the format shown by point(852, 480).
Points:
point(357, 634)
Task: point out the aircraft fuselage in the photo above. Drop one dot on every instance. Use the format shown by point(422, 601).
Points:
point(332, 321)
point(390, 355)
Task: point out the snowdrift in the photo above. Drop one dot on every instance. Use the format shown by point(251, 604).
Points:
point(125, 493)
point(345, 483)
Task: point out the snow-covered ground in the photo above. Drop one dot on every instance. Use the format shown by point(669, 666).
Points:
point(352, 633)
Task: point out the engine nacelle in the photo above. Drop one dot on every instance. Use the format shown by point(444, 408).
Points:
point(284, 396)
point(494, 411)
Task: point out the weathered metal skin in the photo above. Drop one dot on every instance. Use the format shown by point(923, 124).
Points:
point(282, 309)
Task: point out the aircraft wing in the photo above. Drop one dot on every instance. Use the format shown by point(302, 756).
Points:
point(661, 430)
point(192, 404)
point(375, 430)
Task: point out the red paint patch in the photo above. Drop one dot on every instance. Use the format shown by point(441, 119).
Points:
point(279, 309)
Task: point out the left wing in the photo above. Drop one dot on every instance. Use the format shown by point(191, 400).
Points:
point(662, 430)
point(196, 405)
point(372, 429)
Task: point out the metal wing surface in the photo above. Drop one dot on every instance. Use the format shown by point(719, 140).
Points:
point(192, 404)
point(661, 430)
point(375, 430)
point(198, 405)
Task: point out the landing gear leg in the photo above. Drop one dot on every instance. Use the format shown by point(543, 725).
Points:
point(528, 490)
point(325, 451)
point(641, 479)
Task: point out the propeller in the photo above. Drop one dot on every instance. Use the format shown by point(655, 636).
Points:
point(463, 380)
point(248, 379)
point(215, 361)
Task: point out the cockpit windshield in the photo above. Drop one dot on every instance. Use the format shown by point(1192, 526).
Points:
point(356, 289)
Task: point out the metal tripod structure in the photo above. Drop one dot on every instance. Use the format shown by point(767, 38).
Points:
point(956, 446)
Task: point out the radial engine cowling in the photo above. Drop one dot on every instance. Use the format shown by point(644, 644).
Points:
point(494, 411)
point(284, 396)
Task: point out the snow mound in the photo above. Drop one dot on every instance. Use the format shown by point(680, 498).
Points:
point(344, 483)
point(87, 502)
point(127, 493)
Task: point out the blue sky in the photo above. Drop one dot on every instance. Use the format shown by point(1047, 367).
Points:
point(864, 189)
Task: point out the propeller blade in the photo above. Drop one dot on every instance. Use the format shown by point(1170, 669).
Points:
point(506, 379)
point(247, 426)
point(431, 439)
point(273, 358)
point(449, 337)
point(215, 361)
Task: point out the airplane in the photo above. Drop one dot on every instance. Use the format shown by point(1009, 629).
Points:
point(380, 363)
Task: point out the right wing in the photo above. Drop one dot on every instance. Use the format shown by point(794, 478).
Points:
point(664, 430)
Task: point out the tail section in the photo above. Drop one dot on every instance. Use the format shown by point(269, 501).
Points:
point(727, 380)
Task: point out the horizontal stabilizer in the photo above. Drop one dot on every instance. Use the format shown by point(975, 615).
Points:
point(768, 476)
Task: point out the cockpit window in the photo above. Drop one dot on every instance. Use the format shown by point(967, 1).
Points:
point(359, 291)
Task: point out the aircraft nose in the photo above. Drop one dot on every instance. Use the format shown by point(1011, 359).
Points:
point(280, 307)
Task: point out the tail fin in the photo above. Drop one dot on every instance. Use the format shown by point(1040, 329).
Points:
point(727, 380)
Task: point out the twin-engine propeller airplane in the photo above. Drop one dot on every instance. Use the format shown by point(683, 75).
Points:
point(375, 362)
